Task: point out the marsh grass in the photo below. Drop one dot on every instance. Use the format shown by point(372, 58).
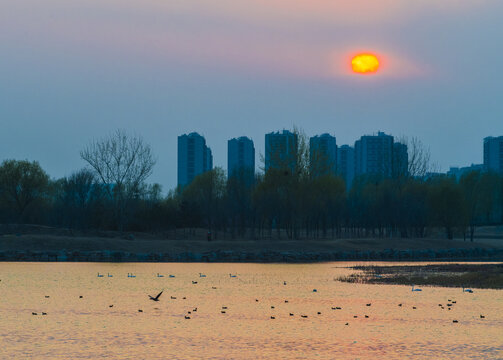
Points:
point(482, 276)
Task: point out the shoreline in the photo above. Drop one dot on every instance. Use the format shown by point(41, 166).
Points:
point(454, 254)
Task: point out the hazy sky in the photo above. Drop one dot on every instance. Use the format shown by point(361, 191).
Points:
point(73, 70)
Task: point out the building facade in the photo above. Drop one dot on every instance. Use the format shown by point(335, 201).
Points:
point(374, 155)
point(323, 155)
point(346, 164)
point(493, 154)
point(281, 150)
point(194, 157)
point(241, 158)
point(457, 172)
point(400, 160)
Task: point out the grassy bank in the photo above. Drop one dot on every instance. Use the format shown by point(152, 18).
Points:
point(485, 276)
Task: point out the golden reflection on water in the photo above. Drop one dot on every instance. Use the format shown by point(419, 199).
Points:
point(89, 328)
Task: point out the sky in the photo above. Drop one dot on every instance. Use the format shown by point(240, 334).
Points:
point(76, 70)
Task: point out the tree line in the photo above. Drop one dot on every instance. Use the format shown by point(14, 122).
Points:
point(295, 200)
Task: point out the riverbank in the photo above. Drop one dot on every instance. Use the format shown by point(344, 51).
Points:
point(149, 248)
point(482, 276)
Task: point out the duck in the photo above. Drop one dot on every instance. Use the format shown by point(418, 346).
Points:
point(159, 275)
point(233, 276)
point(272, 317)
point(202, 275)
point(416, 289)
point(171, 276)
point(109, 275)
point(482, 316)
point(187, 317)
point(100, 275)
point(468, 290)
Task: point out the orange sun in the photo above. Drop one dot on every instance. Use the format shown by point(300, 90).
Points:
point(365, 63)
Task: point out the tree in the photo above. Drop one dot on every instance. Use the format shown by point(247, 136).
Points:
point(122, 162)
point(419, 157)
point(22, 183)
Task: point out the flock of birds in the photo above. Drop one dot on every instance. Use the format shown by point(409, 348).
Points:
point(449, 305)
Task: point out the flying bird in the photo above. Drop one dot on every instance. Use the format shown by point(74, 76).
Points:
point(155, 298)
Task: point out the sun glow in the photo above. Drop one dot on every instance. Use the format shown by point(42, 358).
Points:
point(365, 64)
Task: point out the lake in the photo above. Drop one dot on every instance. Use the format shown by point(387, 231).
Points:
point(80, 324)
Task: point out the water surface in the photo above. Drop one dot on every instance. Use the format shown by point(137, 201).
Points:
point(88, 328)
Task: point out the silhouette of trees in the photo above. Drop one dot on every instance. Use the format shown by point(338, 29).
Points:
point(122, 163)
point(23, 185)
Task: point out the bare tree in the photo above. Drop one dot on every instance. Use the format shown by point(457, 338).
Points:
point(419, 157)
point(122, 162)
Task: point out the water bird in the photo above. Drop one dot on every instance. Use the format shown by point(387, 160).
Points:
point(314, 290)
point(453, 302)
point(47, 296)
point(256, 300)
point(110, 306)
point(184, 298)
point(286, 301)
point(291, 314)
point(272, 317)
point(44, 313)
point(303, 316)
point(399, 304)
point(449, 304)
point(319, 313)
point(202, 275)
point(482, 317)
point(223, 311)
point(187, 317)
point(224, 307)
point(366, 316)
point(194, 282)
point(131, 275)
point(468, 290)
point(155, 298)
point(189, 312)
point(140, 310)
point(284, 282)
point(100, 275)
point(454, 321)
point(80, 297)
point(346, 324)
point(160, 275)
point(272, 307)
point(194, 309)
point(213, 287)
point(416, 289)
point(34, 313)
point(355, 316)
point(414, 307)
point(173, 297)
point(171, 276)
point(109, 275)
point(233, 276)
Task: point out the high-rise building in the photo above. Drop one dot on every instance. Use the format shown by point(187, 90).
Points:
point(241, 158)
point(400, 160)
point(458, 172)
point(346, 164)
point(194, 157)
point(323, 154)
point(374, 154)
point(281, 150)
point(493, 154)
